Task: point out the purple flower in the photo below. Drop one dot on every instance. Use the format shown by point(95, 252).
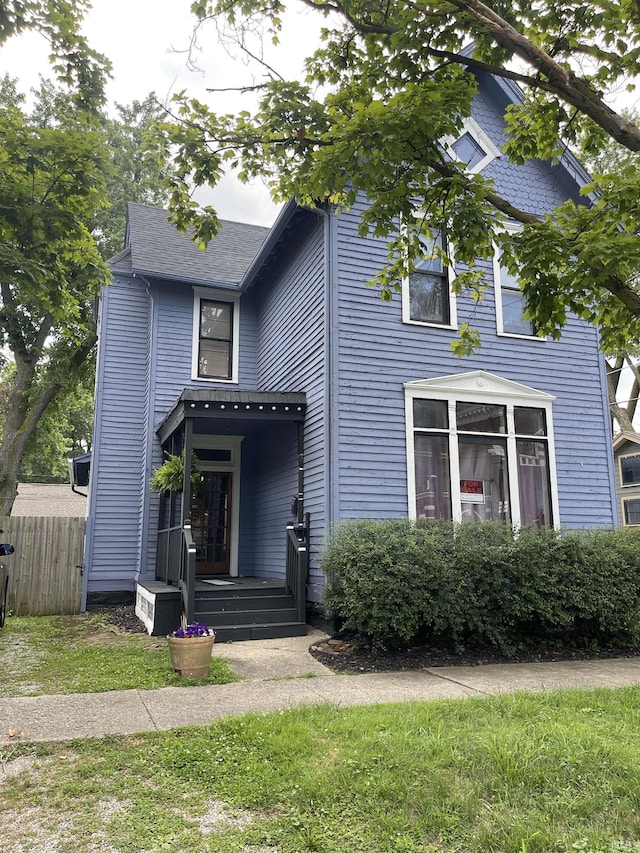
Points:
point(194, 629)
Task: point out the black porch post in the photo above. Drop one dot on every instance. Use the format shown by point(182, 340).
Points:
point(300, 500)
point(186, 475)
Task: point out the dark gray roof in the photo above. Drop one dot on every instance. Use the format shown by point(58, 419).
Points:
point(158, 249)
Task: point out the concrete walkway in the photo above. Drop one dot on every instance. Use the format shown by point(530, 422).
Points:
point(282, 674)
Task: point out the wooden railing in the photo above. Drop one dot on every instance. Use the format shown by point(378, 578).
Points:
point(176, 564)
point(298, 564)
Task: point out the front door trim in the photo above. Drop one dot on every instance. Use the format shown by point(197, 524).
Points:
point(232, 443)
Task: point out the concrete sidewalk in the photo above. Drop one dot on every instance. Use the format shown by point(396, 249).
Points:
point(282, 674)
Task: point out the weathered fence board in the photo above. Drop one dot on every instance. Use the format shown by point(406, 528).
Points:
point(45, 571)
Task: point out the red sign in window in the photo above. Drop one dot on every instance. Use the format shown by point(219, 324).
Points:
point(472, 491)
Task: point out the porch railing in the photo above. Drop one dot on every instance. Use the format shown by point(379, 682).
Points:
point(298, 564)
point(176, 564)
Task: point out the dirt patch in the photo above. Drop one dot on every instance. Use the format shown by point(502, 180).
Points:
point(122, 616)
point(344, 654)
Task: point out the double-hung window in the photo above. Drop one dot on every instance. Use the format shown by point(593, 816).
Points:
point(510, 301)
point(480, 455)
point(426, 293)
point(630, 479)
point(215, 346)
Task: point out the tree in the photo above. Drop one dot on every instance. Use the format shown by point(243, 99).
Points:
point(51, 184)
point(394, 80)
point(58, 390)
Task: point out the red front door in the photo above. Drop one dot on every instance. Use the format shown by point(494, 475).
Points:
point(211, 522)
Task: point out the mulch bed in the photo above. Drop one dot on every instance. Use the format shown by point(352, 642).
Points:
point(343, 654)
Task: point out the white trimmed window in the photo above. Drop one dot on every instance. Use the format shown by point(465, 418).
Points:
point(510, 301)
point(631, 507)
point(216, 324)
point(480, 448)
point(427, 299)
point(630, 470)
point(473, 147)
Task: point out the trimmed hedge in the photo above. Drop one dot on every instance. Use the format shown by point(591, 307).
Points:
point(398, 582)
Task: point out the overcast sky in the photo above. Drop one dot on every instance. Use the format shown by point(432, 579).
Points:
point(148, 41)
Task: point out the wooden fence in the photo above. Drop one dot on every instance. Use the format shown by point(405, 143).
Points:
point(45, 573)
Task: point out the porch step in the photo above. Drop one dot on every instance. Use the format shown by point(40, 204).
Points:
point(249, 613)
point(219, 603)
point(218, 618)
point(230, 633)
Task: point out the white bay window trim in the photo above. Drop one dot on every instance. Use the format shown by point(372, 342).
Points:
point(203, 294)
point(479, 386)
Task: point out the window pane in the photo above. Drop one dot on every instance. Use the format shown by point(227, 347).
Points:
point(215, 320)
point(481, 417)
point(533, 482)
point(429, 297)
point(433, 492)
point(210, 455)
point(512, 310)
point(630, 470)
point(431, 414)
point(632, 512)
point(484, 481)
point(468, 151)
point(215, 359)
point(530, 421)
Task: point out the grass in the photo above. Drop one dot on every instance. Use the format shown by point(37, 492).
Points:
point(85, 654)
point(553, 773)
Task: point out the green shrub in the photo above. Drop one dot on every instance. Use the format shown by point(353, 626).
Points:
point(397, 582)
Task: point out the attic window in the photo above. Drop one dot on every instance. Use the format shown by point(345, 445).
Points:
point(473, 147)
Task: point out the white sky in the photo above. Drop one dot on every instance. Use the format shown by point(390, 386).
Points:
point(147, 42)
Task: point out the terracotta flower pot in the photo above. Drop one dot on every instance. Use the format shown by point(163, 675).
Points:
point(191, 656)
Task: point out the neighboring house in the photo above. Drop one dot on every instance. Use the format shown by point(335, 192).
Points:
point(269, 358)
point(626, 451)
point(49, 499)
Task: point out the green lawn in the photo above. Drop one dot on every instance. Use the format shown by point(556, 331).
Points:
point(518, 774)
point(84, 654)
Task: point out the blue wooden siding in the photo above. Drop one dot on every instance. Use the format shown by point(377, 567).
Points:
point(113, 537)
point(377, 353)
point(291, 357)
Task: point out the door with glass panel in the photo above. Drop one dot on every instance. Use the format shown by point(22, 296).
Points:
point(211, 522)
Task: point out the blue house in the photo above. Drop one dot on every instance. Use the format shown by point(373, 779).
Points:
point(306, 400)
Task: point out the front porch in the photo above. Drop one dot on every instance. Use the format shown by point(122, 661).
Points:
point(236, 608)
point(228, 553)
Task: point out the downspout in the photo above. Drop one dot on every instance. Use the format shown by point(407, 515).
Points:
point(330, 390)
point(93, 474)
point(608, 433)
point(148, 451)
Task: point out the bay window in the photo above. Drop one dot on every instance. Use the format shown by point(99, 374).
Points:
point(478, 455)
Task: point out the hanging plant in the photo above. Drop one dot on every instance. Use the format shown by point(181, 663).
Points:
point(168, 477)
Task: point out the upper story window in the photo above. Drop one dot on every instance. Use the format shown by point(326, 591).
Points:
point(630, 470)
point(215, 345)
point(426, 292)
point(510, 300)
point(473, 147)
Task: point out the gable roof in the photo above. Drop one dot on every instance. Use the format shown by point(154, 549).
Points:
point(156, 248)
point(625, 437)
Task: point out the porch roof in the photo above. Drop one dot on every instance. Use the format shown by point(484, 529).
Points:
point(206, 405)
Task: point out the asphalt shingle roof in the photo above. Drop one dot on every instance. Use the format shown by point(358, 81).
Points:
point(158, 249)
